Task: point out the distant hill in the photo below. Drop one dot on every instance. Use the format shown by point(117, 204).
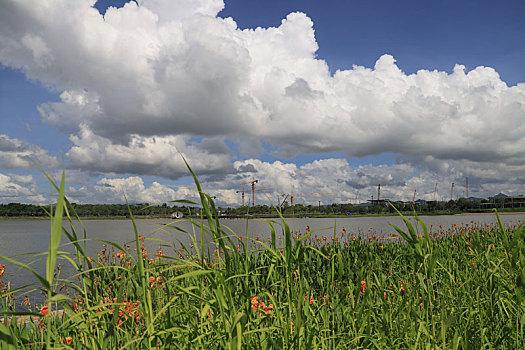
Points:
point(499, 195)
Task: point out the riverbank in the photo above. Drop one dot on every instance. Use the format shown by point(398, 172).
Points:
point(274, 215)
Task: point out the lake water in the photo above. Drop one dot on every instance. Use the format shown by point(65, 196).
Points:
point(32, 236)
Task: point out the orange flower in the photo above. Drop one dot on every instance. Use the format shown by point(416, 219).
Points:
point(121, 255)
point(255, 303)
point(363, 286)
point(44, 310)
point(141, 238)
point(151, 282)
point(2, 270)
point(69, 340)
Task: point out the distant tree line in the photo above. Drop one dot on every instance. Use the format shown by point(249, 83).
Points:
point(452, 206)
point(117, 210)
point(94, 210)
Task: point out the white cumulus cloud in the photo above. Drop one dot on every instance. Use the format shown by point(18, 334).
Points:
point(20, 154)
point(143, 82)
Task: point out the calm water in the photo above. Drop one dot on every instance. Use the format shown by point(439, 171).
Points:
point(32, 236)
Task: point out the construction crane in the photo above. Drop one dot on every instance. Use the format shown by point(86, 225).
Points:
point(259, 190)
point(242, 195)
point(435, 192)
point(292, 195)
point(414, 197)
point(452, 192)
point(281, 204)
point(357, 193)
point(253, 182)
point(378, 194)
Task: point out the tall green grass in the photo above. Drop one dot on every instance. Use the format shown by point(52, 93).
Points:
point(459, 288)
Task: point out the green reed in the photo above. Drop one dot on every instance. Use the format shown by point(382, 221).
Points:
point(460, 287)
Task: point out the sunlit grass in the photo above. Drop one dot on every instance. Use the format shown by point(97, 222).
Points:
point(458, 287)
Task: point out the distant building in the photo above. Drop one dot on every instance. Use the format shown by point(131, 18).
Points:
point(505, 202)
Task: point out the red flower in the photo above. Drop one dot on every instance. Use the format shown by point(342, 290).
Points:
point(44, 310)
point(2, 270)
point(69, 340)
point(363, 286)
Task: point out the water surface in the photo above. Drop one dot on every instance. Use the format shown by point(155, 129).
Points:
point(19, 237)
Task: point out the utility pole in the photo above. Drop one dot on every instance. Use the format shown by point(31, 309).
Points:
point(414, 197)
point(435, 192)
point(378, 193)
point(467, 187)
point(452, 192)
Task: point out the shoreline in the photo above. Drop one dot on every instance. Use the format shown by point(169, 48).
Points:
point(299, 216)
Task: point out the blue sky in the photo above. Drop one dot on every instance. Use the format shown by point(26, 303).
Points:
point(325, 97)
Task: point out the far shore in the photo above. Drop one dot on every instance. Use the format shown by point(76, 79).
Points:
point(297, 216)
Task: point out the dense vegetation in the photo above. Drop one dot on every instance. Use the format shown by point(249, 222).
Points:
point(164, 210)
point(460, 287)
point(94, 210)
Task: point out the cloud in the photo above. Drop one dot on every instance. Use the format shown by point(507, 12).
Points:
point(20, 154)
point(148, 155)
point(117, 190)
point(327, 180)
point(141, 82)
point(19, 188)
